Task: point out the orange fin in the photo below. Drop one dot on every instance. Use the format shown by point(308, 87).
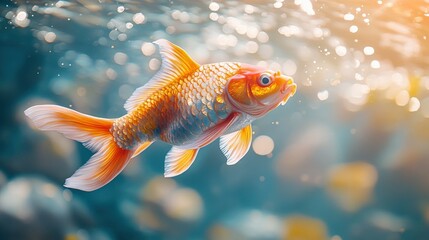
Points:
point(235, 145)
point(101, 168)
point(176, 64)
point(105, 164)
point(72, 124)
point(178, 161)
point(141, 148)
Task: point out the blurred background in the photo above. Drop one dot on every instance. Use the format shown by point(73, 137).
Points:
point(346, 158)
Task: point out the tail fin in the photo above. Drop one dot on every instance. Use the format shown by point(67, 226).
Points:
point(105, 164)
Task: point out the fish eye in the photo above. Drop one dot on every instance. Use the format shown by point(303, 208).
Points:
point(265, 80)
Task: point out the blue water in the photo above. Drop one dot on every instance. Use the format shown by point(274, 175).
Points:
point(345, 158)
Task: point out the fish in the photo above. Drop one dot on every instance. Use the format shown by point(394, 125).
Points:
point(185, 104)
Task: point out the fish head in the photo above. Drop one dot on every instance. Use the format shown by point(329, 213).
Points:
point(256, 90)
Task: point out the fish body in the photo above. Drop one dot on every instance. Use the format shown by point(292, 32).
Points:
point(185, 104)
point(181, 110)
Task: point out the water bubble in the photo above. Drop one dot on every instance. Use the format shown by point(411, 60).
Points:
point(252, 32)
point(341, 50)
point(154, 64)
point(263, 145)
point(175, 14)
point(414, 104)
point(21, 16)
point(113, 34)
point(368, 50)
point(21, 19)
point(349, 17)
point(129, 25)
point(170, 29)
point(402, 98)
point(278, 4)
point(252, 47)
point(139, 18)
point(241, 29)
point(263, 37)
point(148, 48)
point(214, 6)
point(375, 64)
point(358, 77)
point(50, 37)
point(120, 9)
point(323, 95)
point(249, 9)
point(111, 74)
point(214, 16)
point(306, 6)
point(122, 37)
point(184, 17)
point(120, 58)
point(353, 29)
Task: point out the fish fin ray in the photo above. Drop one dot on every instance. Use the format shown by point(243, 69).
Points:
point(178, 161)
point(70, 123)
point(141, 148)
point(236, 144)
point(176, 64)
point(94, 133)
point(212, 134)
point(101, 168)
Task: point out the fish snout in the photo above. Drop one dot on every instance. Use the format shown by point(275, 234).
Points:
point(288, 87)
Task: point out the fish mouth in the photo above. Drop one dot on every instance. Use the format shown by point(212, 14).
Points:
point(287, 91)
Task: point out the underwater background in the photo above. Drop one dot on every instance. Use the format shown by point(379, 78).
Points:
point(346, 158)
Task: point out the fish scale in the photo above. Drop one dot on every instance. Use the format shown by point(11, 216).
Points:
point(180, 111)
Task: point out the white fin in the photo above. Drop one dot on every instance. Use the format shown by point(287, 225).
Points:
point(235, 145)
point(101, 168)
point(176, 64)
point(178, 161)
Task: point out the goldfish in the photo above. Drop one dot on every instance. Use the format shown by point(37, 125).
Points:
point(185, 104)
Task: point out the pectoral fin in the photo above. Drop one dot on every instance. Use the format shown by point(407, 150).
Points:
point(235, 145)
point(213, 133)
point(178, 160)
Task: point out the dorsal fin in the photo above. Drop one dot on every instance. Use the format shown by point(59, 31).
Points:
point(176, 63)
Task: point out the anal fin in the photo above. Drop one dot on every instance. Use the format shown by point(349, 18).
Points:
point(178, 161)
